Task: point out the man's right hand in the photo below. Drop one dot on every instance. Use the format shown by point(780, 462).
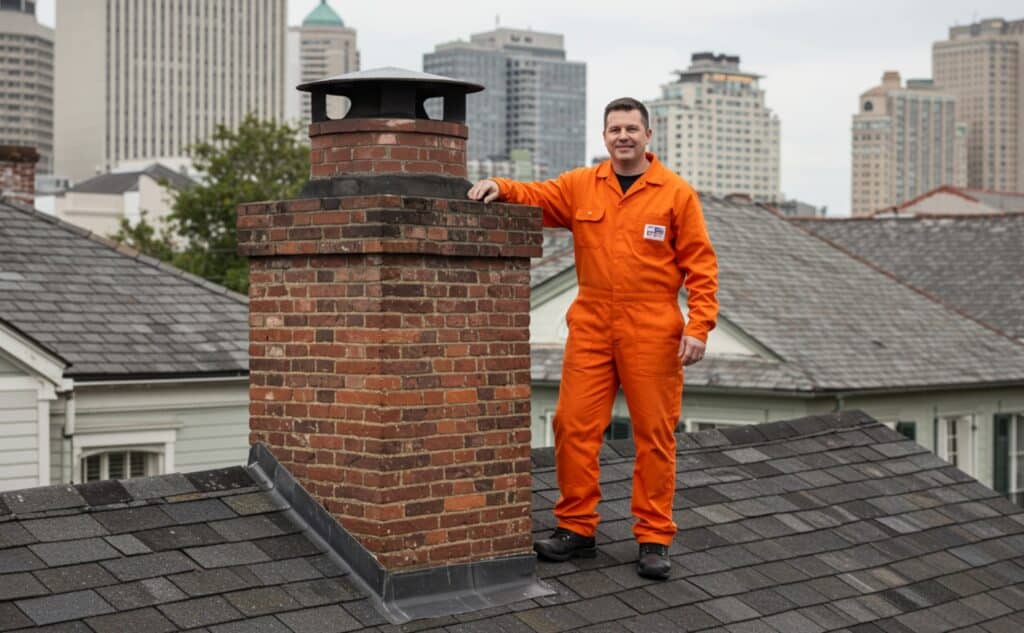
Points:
point(486, 190)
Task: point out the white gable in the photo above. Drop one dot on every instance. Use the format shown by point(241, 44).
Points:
point(547, 326)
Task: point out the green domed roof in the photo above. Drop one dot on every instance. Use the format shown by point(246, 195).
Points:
point(323, 15)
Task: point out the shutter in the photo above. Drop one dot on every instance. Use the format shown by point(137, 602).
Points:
point(1001, 453)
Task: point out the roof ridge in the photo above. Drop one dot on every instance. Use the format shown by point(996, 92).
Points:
point(127, 251)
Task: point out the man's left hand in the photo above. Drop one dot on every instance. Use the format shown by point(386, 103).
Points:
point(691, 350)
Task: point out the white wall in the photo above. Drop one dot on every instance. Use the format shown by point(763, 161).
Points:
point(19, 433)
point(207, 423)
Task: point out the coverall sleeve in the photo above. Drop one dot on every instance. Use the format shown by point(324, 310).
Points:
point(554, 197)
point(696, 258)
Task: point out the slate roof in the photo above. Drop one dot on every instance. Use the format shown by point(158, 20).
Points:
point(116, 183)
point(835, 322)
point(826, 523)
point(973, 263)
point(109, 311)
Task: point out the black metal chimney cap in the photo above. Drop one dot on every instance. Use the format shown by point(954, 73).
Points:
point(390, 93)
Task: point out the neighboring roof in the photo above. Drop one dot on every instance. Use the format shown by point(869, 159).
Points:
point(827, 523)
point(117, 183)
point(973, 263)
point(996, 201)
point(110, 311)
point(323, 15)
point(558, 257)
point(837, 323)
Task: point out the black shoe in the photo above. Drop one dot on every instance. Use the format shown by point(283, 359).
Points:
point(653, 561)
point(564, 544)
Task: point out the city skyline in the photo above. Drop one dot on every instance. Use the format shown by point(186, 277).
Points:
point(815, 61)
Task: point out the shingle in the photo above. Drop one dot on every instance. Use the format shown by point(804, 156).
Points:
point(255, 503)
point(75, 577)
point(72, 552)
point(199, 612)
point(198, 511)
point(600, 609)
point(329, 619)
point(101, 493)
point(11, 617)
point(246, 528)
point(143, 593)
point(220, 479)
point(267, 624)
point(179, 536)
point(143, 620)
point(127, 544)
point(728, 610)
point(21, 585)
point(329, 590)
point(149, 565)
point(76, 526)
point(290, 546)
point(65, 606)
point(13, 534)
point(227, 554)
point(261, 601)
point(292, 570)
point(160, 486)
point(39, 499)
point(132, 519)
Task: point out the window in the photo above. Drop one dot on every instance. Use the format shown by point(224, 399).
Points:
point(1008, 475)
point(691, 425)
point(122, 455)
point(955, 441)
point(119, 465)
point(906, 429)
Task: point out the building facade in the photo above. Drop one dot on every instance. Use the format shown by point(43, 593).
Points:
point(535, 99)
point(26, 80)
point(982, 64)
point(712, 127)
point(322, 47)
point(140, 82)
point(906, 140)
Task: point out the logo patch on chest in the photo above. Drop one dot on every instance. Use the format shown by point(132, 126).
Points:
point(654, 232)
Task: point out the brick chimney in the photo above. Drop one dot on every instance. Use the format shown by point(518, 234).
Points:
point(18, 173)
point(390, 364)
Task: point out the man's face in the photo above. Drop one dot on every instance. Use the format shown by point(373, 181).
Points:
point(625, 135)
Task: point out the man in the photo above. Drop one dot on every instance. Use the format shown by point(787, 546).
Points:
point(638, 233)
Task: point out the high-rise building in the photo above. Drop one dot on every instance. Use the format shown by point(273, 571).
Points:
point(138, 82)
point(906, 140)
point(322, 47)
point(26, 80)
point(534, 98)
point(982, 65)
point(712, 127)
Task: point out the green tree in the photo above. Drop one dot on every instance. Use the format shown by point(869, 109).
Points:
point(260, 160)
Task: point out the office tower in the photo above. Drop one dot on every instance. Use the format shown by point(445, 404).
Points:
point(26, 80)
point(711, 126)
point(982, 65)
point(138, 82)
point(906, 141)
point(534, 100)
point(322, 47)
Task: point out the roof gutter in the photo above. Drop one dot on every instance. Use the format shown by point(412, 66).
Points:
point(98, 381)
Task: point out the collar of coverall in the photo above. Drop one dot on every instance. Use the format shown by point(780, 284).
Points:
point(655, 174)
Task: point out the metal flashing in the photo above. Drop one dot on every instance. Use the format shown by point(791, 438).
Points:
point(408, 595)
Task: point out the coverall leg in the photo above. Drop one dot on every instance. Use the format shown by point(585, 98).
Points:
point(585, 398)
point(647, 358)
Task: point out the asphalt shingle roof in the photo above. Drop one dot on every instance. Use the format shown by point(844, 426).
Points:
point(833, 320)
point(111, 312)
point(826, 523)
point(115, 183)
point(973, 263)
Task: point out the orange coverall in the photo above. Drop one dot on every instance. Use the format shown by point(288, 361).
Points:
point(633, 252)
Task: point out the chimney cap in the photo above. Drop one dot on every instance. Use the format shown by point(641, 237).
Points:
point(391, 92)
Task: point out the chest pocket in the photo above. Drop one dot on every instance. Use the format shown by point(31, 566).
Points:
point(590, 227)
point(652, 233)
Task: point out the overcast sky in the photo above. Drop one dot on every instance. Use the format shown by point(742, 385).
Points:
point(816, 56)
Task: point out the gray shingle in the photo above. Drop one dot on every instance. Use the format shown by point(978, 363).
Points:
point(199, 612)
point(227, 554)
point(329, 619)
point(149, 565)
point(148, 620)
point(58, 264)
point(66, 606)
point(71, 552)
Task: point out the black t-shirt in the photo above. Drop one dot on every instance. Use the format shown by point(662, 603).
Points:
point(627, 181)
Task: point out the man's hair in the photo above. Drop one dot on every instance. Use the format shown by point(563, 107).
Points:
point(625, 104)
